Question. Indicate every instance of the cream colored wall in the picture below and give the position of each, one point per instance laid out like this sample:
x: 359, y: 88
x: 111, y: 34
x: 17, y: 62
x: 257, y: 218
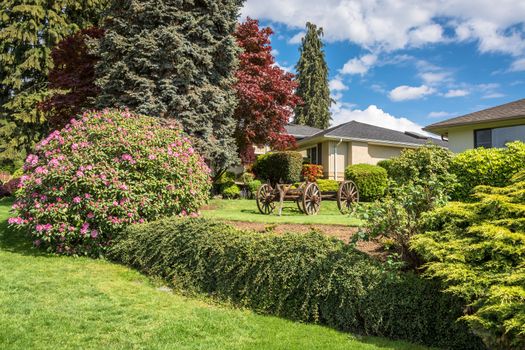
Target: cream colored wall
x: 461, y: 139
x: 349, y: 153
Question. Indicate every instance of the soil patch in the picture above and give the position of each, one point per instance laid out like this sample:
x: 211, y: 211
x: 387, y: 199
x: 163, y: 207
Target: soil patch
x: 341, y: 232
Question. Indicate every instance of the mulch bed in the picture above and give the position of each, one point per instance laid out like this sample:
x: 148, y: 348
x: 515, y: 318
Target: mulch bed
x: 341, y: 232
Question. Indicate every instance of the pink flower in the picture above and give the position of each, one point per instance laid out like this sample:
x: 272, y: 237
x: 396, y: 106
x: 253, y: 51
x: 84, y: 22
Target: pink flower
x: 84, y: 228
x: 77, y: 200
x: 94, y: 234
x: 74, y: 146
x: 32, y: 160
x: 152, y: 157
x: 54, y: 162
x: 15, y: 221
x: 87, y: 195
x: 90, y: 215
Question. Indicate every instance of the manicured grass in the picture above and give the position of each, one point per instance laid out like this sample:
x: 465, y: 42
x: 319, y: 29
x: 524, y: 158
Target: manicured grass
x: 52, y: 302
x: 246, y: 210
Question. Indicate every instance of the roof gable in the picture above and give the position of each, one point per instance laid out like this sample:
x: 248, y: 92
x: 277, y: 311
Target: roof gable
x: 361, y: 131
x: 506, y: 111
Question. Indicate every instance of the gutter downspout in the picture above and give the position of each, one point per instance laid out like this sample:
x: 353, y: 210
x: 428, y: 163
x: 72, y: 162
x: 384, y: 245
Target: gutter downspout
x: 335, y: 158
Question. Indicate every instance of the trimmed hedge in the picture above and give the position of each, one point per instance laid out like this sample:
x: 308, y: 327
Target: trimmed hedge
x: 279, y: 167
x: 231, y: 192
x: 490, y: 167
x: 326, y: 185
x: 371, y: 180
x: 306, y: 277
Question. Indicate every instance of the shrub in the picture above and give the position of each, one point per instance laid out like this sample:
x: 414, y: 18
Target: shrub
x: 478, y: 250
x: 231, y: 192
x: 10, y: 187
x: 311, y: 172
x: 371, y: 180
x: 491, y: 167
x: 306, y: 277
x: 253, y: 186
x: 102, y: 172
x: 246, y: 177
x: 279, y: 167
x: 328, y: 185
x: 420, y: 181
x: 227, y: 179
x: 385, y: 164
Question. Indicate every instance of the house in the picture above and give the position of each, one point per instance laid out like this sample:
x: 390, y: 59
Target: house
x: 354, y: 143
x: 492, y: 127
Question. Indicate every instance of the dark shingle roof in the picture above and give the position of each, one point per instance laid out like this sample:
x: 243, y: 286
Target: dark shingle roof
x: 362, y: 131
x: 301, y: 131
x: 510, y: 110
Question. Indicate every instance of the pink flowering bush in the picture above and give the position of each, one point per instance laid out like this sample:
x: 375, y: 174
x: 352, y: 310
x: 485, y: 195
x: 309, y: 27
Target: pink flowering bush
x: 108, y: 169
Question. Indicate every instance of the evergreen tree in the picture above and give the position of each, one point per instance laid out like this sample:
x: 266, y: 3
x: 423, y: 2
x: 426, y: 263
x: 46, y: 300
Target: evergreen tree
x: 312, y: 76
x: 29, y: 29
x: 175, y: 60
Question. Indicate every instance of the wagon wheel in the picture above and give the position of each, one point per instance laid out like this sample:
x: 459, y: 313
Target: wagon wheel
x: 265, y: 197
x: 311, y: 199
x: 347, y: 197
x: 299, y: 202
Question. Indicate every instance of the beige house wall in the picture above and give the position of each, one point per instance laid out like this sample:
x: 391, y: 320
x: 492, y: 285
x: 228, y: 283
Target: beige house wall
x: 348, y: 153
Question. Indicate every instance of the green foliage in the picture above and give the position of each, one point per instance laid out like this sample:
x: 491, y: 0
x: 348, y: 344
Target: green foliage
x: 103, y: 172
x: 306, y: 277
x: 491, y: 167
x: 29, y: 29
x: 371, y: 180
x: 478, y: 250
x: 253, y: 186
x: 279, y: 167
x: 246, y: 177
x: 176, y: 60
x: 312, y: 76
x: 231, y: 192
x: 326, y: 185
x: 385, y: 164
x: 420, y: 181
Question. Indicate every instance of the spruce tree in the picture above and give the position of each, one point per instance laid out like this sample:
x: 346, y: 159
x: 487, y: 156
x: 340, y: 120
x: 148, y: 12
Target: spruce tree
x: 29, y: 29
x: 175, y: 60
x: 312, y: 76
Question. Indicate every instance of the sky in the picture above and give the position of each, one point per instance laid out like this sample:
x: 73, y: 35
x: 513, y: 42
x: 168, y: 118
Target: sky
x: 405, y: 64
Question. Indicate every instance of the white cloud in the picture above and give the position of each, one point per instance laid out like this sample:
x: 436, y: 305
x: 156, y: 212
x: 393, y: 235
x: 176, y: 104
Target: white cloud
x: 432, y: 78
x: 493, y: 95
x: 440, y: 114
x: 432, y: 33
x: 359, y: 65
x: 393, y: 24
x: 342, y: 113
x: 274, y: 52
x: 518, y: 65
x: 456, y: 93
x: 405, y: 92
x: 297, y: 38
x: 287, y: 69
x: 337, y: 84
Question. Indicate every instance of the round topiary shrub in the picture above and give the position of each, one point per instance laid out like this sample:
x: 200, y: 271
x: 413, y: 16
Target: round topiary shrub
x: 107, y: 170
x: 371, y: 180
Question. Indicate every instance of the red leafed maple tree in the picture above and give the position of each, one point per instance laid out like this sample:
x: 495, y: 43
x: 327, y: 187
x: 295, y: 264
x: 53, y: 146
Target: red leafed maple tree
x: 74, y: 74
x: 265, y: 92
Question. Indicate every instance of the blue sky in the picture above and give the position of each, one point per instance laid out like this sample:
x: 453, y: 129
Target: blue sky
x: 404, y: 64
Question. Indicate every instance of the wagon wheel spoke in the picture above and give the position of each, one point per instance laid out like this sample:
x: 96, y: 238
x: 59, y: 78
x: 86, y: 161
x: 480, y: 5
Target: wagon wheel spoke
x: 265, y: 199
x: 311, y: 199
x: 347, y: 197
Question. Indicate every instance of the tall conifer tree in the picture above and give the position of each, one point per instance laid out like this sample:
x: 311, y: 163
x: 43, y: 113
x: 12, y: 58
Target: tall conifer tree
x: 29, y: 29
x: 312, y: 76
x: 175, y: 59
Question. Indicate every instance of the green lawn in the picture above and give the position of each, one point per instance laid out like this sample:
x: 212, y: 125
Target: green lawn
x: 246, y: 210
x: 51, y: 302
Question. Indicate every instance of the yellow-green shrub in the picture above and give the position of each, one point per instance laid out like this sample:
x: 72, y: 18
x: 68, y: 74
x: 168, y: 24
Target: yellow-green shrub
x: 491, y: 167
x: 478, y: 250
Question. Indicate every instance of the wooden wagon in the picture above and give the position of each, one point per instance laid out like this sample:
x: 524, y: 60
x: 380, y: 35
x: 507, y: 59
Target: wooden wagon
x: 307, y: 196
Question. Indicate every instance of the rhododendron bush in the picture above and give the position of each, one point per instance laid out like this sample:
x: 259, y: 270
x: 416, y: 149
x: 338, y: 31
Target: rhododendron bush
x: 102, y: 172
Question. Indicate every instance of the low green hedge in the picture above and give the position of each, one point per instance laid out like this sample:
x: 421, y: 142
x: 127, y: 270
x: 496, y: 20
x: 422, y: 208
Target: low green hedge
x: 279, y: 167
x: 306, y: 277
x: 371, y: 180
x: 326, y: 185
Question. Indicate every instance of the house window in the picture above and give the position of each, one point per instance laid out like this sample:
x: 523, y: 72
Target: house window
x: 483, y: 138
x: 498, y: 137
x: 311, y: 153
